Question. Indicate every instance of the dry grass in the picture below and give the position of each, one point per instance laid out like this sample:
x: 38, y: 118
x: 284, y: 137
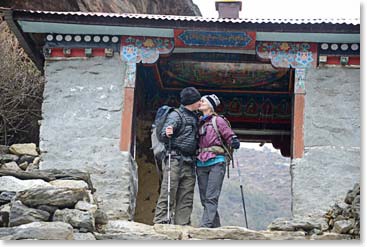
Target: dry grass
x: 21, y: 88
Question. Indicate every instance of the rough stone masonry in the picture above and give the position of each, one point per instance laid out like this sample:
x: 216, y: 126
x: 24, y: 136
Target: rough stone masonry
x: 80, y: 128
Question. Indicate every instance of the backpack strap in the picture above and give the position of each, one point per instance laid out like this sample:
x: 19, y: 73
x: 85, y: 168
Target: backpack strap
x: 215, y: 126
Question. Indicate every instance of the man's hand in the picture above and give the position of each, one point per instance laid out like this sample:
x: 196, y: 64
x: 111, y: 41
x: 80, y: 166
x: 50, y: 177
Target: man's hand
x: 235, y: 144
x: 169, y: 131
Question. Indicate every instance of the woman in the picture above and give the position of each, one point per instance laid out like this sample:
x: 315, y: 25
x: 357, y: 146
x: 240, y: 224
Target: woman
x: 211, y: 161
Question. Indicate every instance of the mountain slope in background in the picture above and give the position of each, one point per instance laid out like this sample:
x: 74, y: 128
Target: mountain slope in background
x: 266, y: 180
x: 163, y: 7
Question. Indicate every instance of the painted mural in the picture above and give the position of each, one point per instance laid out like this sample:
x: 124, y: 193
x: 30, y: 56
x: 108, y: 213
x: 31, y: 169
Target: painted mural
x: 238, y: 107
x: 222, y: 75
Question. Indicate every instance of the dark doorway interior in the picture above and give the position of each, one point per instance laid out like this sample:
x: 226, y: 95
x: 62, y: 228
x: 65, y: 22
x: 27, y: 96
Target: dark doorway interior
x: 256, y: 98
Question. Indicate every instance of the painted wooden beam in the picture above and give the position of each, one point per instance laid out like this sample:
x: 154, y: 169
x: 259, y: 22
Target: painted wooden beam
x: 51, y: 27
x: 25, y: 41
x: 308, y: 37
x: 62, y: 28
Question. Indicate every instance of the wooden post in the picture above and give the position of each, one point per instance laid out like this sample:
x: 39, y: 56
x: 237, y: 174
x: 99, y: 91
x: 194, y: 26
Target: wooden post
x: 298, y: 114
x: 126, y: 133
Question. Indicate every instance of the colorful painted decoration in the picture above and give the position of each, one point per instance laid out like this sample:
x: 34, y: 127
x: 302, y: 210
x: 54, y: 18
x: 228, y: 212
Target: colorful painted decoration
x: 130, y: 75
x: 144, y: 49
x: 209, y: 39
x: 129, y: 53
x: 235, y: 107
x: 288, y: 54
x: 239, y: 108
x: 299, y: 80
x: 251, y: 108
x: 222, y: 75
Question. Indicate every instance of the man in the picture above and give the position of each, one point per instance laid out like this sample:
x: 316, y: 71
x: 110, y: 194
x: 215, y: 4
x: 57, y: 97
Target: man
x: 180, y: 133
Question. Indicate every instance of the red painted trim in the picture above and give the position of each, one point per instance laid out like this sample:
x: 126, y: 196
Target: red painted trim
x: 77, y: 52
x: 335, y: 60
x: 245, y: 119
x: 98, y: 52
x: 297, y: 128
x: 354, y: 60
x: 57, y: 52
x: 127, y: 120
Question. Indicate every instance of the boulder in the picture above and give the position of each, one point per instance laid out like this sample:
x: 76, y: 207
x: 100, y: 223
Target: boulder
x: 24, y: 165
x: 127, y: 230
x: 86, y: 206
x: 76, y: 218
x: 52, y: 196
x: 11, y: 166
x: 6, y: 197
x: 331, y: 236
x: 83, y: 236
x: 343, y: 226
x: 8, y: 183
x: 43, y: 231
x: 50, y: 209
x: 20, y: 214
x: 24, y: 149
x: 8, y: 158
x: 71, y: 174
x: 294, y: 224
x: 284, y: 235
x: 100, y: 217
x: 47, y: 176
x: 225, y: 232
x: 26, y: 158
x: 352, y: 194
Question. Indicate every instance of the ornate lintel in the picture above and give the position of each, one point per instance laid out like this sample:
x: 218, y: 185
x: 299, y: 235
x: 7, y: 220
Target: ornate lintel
x: 299, y: 56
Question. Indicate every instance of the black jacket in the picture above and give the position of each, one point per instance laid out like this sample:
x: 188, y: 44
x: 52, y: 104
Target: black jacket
x: 184, y: 139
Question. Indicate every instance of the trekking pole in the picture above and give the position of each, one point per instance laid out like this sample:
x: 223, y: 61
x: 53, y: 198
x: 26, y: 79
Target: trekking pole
x: 241, y: 187
x: 169, y: 182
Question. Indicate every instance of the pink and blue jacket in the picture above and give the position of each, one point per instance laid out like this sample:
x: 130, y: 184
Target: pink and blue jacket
x: 208, y: 137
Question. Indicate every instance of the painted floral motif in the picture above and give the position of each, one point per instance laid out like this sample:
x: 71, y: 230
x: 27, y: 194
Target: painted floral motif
x: 149, y: 43
x: 129, y: 53
x: 145, y: 50
x: 284, y: 46
x: 288, y: 54
x: 304, y: 58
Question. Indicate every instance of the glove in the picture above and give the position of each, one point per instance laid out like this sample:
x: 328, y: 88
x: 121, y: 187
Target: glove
x: 235, y: 144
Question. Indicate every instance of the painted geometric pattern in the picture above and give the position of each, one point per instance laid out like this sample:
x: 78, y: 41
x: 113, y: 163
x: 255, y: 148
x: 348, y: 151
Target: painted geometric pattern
x: 288, y: 54
x: 144, y: 49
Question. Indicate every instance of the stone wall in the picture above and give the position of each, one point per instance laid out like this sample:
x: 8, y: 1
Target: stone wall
x: 81, y: 126
x: 332, y: 139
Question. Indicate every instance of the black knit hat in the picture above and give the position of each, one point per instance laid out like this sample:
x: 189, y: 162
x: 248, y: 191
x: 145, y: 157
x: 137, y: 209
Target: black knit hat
x: 189, y: 95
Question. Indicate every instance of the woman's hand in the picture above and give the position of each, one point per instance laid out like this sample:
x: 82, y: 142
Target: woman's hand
x: 235, y: 144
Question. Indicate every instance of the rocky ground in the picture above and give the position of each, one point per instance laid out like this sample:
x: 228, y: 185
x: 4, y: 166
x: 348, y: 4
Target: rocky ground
x: 61, y: 205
